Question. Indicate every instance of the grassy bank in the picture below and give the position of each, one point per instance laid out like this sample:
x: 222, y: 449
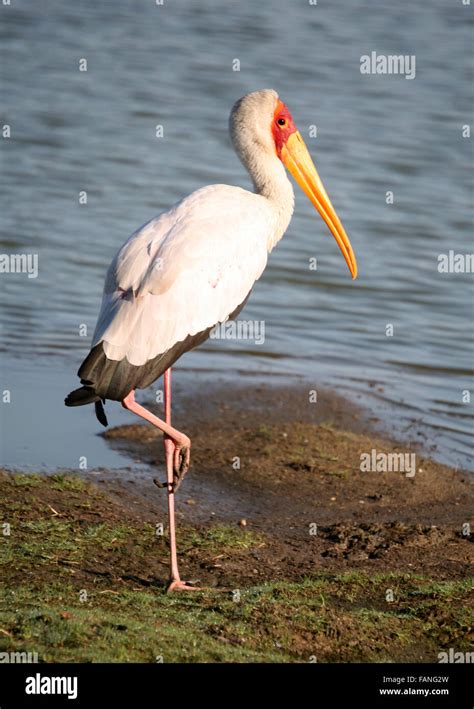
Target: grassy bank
x: 82, y: 580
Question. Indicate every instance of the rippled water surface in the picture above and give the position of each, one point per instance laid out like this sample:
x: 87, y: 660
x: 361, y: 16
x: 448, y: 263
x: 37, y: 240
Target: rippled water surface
x: 171, y: 65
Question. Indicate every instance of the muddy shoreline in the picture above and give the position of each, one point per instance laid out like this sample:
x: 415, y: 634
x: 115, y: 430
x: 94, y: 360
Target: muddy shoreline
x: 299, y: 553
x: 281, y: 464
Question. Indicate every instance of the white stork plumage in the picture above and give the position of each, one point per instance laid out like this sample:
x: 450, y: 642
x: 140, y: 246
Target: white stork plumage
x: 193, y: 267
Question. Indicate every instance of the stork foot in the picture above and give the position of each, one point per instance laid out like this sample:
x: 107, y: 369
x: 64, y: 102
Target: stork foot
x: 178, y: 585
x: 181, y: 461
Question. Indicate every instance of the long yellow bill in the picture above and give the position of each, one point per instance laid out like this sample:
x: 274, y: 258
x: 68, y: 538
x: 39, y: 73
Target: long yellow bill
x: 298, y: 162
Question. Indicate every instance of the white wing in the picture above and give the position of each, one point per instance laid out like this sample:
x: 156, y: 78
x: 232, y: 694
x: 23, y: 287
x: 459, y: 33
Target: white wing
x: 183, y: 272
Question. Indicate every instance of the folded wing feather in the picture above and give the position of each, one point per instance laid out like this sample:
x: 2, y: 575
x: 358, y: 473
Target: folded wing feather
x: 183, y: 272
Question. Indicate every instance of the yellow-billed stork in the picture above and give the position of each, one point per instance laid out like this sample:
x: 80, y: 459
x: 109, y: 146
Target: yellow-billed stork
x: 193, y: 267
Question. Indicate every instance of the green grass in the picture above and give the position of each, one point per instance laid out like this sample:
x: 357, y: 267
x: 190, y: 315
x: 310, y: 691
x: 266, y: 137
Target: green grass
x: 52, y: 539
x: 62, y: 481
x: 80, y: 585
x: 278, y: 622
x: 222, y: 537
x: 26, y: 480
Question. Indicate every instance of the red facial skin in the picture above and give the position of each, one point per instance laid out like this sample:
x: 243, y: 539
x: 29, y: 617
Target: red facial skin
x: 281, y: 133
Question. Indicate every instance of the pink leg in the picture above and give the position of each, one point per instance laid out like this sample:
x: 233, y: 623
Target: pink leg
x: 177, y: 450
x: 175, y: 583
x: 182, y: 444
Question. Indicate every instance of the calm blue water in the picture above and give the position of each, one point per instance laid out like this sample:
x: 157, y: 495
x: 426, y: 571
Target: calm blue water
x: 172, y: 65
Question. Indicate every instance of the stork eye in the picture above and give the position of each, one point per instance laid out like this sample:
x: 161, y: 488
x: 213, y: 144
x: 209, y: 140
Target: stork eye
x: 281, y: 122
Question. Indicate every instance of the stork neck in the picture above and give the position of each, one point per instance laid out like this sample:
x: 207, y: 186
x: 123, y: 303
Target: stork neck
x: 271, y: 182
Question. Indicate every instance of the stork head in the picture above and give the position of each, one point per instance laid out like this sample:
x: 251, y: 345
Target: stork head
x: 261, y: 124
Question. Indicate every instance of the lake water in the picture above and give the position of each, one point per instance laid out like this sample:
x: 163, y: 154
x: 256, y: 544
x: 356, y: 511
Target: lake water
x: 172, y: 65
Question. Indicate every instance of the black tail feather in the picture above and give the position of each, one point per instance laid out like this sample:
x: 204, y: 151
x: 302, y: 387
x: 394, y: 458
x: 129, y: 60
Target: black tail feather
x: 81, y: 397
x: 86, y: 395
x: 100, y: 413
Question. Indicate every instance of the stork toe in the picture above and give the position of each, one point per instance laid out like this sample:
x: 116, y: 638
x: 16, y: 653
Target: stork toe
x: 182, y: 459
